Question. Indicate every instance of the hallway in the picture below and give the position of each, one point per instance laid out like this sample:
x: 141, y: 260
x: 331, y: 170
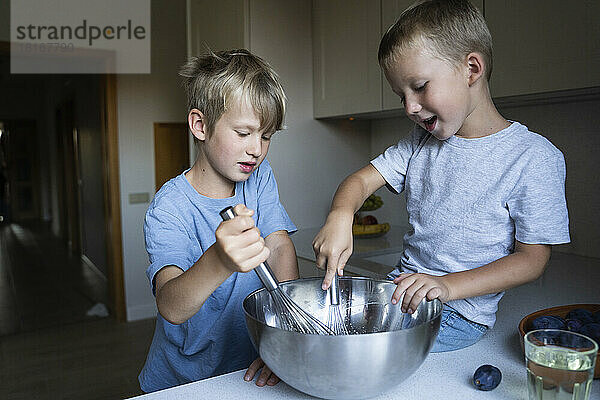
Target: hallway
x: 49, y: 347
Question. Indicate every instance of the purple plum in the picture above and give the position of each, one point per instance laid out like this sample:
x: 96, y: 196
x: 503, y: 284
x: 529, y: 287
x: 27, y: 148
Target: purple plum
x: 585, y: 316
x: 591, y: 330
x: 548, y: 322
x: 574, y: 325
x: 487, y: 377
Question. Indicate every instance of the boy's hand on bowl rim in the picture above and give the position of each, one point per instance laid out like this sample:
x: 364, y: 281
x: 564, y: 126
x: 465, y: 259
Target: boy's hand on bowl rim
x: 266, y: 377
x: 416, y: 287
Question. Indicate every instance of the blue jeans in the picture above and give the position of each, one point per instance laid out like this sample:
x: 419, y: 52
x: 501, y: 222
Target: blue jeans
x: 456, y: 332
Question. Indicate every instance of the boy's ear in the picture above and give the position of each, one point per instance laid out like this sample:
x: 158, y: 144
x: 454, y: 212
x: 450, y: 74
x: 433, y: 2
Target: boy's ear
x: 475, y: 66
x: 196, y: 124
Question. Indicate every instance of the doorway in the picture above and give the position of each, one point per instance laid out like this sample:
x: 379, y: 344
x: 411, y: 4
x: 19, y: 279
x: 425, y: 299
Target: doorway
x: 171, y: 151
x: 47, y: 185
x: 20, y: 170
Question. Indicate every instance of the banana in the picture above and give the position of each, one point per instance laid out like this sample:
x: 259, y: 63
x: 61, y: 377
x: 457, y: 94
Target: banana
x: 359, y: 230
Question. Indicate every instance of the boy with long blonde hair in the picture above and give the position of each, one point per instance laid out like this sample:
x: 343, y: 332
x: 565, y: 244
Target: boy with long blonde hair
x: 199, y: 264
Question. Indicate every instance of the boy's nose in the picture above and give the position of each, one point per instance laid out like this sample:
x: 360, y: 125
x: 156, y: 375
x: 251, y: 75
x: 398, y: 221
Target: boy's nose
x: 412, y: 107
x: 255, y: 146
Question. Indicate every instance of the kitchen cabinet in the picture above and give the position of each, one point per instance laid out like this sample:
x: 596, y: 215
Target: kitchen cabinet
x: 217, y: 25
x: 543, y: 46
x: 346, y: 76
x: 390, y: 11
x: 542, y: 49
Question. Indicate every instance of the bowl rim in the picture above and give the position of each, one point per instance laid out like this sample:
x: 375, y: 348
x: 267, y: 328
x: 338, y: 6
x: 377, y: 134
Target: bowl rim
x: 333, y: 337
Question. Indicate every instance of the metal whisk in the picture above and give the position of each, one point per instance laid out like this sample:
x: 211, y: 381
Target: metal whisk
x: 290, y: 315
x: 335, y: 320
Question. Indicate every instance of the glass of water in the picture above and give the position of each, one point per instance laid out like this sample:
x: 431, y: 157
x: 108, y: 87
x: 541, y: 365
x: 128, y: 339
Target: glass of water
x: 560, y: 364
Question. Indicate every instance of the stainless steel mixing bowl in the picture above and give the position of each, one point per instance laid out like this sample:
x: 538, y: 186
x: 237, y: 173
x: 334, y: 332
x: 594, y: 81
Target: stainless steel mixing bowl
x: 387, y: 345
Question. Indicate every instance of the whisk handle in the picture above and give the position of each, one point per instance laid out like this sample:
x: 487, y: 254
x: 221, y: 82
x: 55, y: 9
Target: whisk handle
x: 334, y: 291
x: 262, y: 270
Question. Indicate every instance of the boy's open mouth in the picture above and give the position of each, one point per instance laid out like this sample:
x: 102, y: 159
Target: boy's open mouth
x: 247, y: 166
x: 430, y: 123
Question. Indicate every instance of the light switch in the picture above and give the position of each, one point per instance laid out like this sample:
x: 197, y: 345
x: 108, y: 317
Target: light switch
x: 136, y: 198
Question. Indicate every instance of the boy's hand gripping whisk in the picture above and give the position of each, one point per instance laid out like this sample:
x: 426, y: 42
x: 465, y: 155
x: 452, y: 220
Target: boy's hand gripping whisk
x: 291, y: 316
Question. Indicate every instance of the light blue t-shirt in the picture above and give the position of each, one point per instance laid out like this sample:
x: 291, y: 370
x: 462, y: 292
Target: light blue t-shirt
x: 469, y: 199
x: 179, y: 227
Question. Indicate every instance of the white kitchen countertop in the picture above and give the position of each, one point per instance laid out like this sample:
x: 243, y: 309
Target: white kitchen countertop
x: 568, y: 279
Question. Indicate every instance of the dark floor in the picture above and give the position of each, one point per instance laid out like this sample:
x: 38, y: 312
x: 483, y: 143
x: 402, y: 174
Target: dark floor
x: 41, y: 284
x: 49, y: 347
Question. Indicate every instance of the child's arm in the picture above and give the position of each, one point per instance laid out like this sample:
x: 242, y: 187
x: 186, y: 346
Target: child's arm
x: 238, y: 248
x: 525, y: 264
x: 283, y: 256
x: 333, y: 243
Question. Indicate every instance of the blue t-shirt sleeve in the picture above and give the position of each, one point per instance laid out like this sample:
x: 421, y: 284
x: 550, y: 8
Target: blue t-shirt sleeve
x: 537, y: 204
x: 394, y: 161
x: 272, y: 216
x: 167, y: 242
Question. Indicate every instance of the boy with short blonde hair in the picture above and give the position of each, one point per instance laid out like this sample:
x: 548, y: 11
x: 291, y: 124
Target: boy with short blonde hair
x: 198, y: 263
x: 452, y: 30
x: 485, y: 196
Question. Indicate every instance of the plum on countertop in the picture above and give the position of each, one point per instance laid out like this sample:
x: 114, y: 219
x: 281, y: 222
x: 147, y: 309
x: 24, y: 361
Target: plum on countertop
x: 487, y: 377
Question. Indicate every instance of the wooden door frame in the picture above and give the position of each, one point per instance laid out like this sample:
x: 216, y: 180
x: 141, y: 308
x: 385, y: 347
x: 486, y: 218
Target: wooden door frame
x: 112, y: 192
x: 68, y: 171
x: 112, y: 196
x: 184, y: 130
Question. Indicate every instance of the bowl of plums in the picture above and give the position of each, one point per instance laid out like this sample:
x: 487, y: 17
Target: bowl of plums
x: 579, y: 318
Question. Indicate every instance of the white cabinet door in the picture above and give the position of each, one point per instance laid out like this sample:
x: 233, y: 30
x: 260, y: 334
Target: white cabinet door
x: 544, y: 45
x: 346, y: 74
x: 390, y: 11
x: 217, y: 25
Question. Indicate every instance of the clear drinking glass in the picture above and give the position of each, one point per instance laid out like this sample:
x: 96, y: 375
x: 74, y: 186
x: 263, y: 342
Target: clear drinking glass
x: 560, y: 364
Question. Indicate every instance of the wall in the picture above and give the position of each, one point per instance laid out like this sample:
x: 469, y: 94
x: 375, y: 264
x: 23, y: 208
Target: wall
x: 310, y: 158
x: 385, y: 133
x: 87, y: 117
x: 5, y: 20
x: 572, y: 127
x: 141, y: 101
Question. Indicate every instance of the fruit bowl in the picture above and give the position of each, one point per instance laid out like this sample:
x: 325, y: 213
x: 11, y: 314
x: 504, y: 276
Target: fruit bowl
x: 525, y: 325
x: 370, y: 231
x: 373, y: 202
